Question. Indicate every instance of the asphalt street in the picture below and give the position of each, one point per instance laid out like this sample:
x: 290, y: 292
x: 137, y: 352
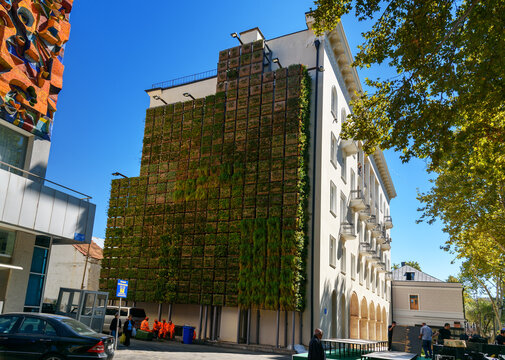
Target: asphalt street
x: 154, y: 350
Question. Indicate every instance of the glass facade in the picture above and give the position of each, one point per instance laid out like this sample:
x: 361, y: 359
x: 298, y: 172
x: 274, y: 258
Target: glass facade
x: 13, y: 147
x: 38, y: 271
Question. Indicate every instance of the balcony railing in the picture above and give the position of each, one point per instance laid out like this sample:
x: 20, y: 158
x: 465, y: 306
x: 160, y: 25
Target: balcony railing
x: 349, y: 146
x: 364, y: 214
x: 347, y: 231
x: 185, y: 79
x: 388, y: 222
x: 357, y: 200
x: 365, y: 249
x: 371, y: 222
x: 380, y: 266
x: 376, y: 231
x: 381, y: 238
x: 386, y: 246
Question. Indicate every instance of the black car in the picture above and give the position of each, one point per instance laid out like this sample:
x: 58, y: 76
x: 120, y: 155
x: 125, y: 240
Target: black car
x: 50, y: 337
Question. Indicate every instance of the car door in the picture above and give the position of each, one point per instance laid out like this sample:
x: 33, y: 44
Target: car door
x: 25, y: 342
x: 8, y: 324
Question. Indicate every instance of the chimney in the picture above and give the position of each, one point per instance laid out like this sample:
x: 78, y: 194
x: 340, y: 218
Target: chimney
x: 403, y: 263
x: 251, y: 35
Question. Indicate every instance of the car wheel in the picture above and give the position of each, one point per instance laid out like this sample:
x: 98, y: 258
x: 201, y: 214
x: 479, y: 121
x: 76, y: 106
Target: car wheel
x: 53, y: 357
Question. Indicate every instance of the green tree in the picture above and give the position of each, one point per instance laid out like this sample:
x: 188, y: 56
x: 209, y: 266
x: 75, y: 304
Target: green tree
x: 414, y: 264
x: 452, y: 279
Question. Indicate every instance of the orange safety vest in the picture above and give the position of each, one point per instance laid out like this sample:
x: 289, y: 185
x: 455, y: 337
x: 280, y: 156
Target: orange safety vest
x: 144, y: 326
x: 163, y: 330
x: 171, y: 329
x: 156, y: 326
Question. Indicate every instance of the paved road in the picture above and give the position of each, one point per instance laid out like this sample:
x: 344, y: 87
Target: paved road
x: 154, y: 350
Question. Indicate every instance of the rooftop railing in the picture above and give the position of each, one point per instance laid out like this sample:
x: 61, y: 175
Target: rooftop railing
x: 185, y: 79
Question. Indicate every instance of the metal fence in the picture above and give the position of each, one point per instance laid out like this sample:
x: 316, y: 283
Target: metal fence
x: 185, y: 79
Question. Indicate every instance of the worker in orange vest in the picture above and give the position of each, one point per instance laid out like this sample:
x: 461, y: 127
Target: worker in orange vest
x: 156, y: 328
x: 171, y: 329
x: 163, y: 329
x: 144, y: 326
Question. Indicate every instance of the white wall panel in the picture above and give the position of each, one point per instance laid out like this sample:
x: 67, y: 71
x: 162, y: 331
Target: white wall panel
x: 45, y: 209
x: 28, y: 210
x: 4, y: 184
x: 59, y: 210
x: 14, y: 199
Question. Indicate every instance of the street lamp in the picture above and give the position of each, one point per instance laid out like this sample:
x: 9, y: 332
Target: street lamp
x: 119, y: 174
x: 235, y: 35
x: 188, y: 95
x: 276, y: 61
x: 156, y: 97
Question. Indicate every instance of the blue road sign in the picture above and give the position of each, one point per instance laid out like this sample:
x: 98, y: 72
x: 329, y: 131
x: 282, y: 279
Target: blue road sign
x: 122, y: 288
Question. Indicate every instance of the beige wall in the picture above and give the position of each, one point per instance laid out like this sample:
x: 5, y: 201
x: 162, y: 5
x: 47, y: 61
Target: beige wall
x: 18, y: 279
x: 439, y: 302
x: 66, y: 268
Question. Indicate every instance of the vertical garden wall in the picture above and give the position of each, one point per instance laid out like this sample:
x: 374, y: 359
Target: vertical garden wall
x: 218, y: 214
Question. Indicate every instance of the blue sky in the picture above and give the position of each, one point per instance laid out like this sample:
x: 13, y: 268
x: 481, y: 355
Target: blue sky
x: 117, y: 49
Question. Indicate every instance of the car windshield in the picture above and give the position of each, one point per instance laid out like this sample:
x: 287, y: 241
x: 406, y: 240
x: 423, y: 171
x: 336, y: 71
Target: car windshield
x: 78, y: 327
x: 113, y: 312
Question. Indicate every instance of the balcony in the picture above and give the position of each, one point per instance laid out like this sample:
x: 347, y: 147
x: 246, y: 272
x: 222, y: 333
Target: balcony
x: 376, y: 231
x: 388, y: 222
x: 347, y: 231
x: 364, y: 214
x: 357, y: 200
x: 365, y: 249
x: 381, y: 238
x: 386, y: 246
x: 388, y: 275
x: 380, y: 266
x: 349, y: 146
x: 371, y: 222
x: 27, y: 204
x: 374, y: 258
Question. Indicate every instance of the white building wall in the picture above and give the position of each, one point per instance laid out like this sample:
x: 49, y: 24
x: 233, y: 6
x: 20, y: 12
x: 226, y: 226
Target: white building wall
x: 66, y: 269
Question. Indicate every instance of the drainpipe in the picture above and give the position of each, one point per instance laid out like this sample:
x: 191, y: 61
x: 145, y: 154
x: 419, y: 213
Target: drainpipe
x: 312, y: 231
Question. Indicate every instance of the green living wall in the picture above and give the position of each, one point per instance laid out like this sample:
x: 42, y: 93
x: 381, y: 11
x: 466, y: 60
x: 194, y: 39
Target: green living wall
x: 218, y: 213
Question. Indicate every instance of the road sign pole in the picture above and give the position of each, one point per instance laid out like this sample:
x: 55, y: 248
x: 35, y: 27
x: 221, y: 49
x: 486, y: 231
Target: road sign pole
x: 117, y: 324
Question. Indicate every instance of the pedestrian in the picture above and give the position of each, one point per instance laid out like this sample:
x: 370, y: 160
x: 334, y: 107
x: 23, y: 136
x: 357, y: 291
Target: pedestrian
x: 426, y: 335
x: 390, y: 334
x: 156, y: 328
x: 170, y: 328
x: 163, y: 330
x: 464, y: 336
x: 114, y: 325
x: 500, y: 338
x: 127, y: 329
x: 316, y: 351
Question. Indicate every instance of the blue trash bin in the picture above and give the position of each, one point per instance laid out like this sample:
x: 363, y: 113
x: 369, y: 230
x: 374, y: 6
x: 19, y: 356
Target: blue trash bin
x: 187, y: 334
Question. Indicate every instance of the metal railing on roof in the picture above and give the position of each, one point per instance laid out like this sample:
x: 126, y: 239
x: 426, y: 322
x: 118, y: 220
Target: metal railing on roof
x: 185, y: 79
x: 16, y: 170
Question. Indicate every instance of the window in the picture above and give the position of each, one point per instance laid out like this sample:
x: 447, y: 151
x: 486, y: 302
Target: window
x: 333, y: 251
x: 414, y: 302
x: 343, y: 115
x: 7, y: 239
x: 342, y: 161
x: 12, y: 148
x: 37, y: 277
x: 353, y: 266
x: 334, y: 103
x: 333, y: 155
x: 333, y: 198
x: 7, y: 323
x: 343, y: 258
x: 410, y: 276
x: 353, y: 180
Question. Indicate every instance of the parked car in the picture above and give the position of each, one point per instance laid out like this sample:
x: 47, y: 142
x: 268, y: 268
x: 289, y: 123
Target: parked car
x: 138, y: 314
x: 50, y: 337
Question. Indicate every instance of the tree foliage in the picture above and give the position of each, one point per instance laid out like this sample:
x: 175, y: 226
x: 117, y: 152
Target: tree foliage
x: 414, y: 264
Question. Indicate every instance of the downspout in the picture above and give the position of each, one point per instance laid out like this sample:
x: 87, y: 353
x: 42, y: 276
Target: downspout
x: 312, y: 231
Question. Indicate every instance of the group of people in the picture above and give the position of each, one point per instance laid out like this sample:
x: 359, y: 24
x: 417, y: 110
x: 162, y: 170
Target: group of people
x: 161, y: 330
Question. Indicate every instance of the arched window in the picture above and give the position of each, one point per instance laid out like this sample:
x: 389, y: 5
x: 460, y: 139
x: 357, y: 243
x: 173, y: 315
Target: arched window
x: 334, y: 103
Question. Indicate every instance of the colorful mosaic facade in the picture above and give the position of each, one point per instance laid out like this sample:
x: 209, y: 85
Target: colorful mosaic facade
x: 32, y: 38
x: 218, y: 214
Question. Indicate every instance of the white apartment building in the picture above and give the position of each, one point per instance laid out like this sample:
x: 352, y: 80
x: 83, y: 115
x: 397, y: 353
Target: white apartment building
x: 348, y: 273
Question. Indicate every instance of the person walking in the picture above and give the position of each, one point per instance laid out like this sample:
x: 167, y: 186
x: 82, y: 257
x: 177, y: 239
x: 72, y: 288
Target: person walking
x: 316, y: 351
x: 127, y: 329
x: 426, y: 335
x: 114, y: 326
x: 390, y: 334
